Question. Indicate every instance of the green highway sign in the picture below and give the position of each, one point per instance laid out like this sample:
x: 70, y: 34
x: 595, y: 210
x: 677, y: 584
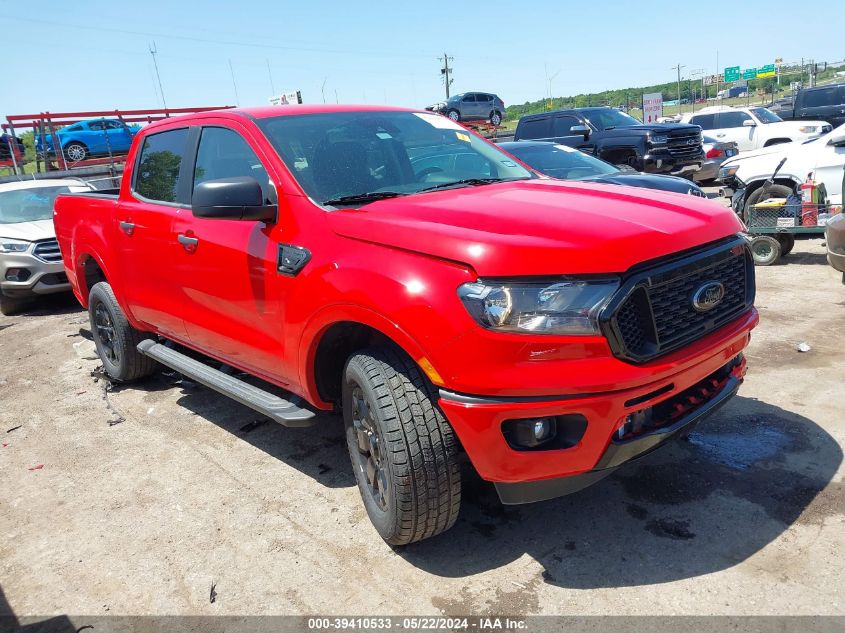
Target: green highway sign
x: 766, y: 71
x: 749, y: 73
x: 731, y: 74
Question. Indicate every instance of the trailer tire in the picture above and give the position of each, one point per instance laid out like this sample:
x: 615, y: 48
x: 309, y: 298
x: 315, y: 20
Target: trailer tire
x: 405, y: 455
x: 765, y: 250
x: 116, y: 340
x: 787, y: 243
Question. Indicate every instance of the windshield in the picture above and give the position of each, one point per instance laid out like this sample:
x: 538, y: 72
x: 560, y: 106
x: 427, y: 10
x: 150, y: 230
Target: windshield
x: 28, y: 205
x: 765, y: 115
x: 346, y: 154
x: 609, y: 119
x: 559, y: 161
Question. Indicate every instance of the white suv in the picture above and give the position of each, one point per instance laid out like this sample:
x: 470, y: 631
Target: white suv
x: 754, y: 127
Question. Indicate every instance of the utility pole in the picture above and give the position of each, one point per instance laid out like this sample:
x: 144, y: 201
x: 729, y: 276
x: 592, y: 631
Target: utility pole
x: 270, y: 74
x: 445, y: 71
x: 698, y: 72
x: 232, y: 72
x: 678, y: 68
x: 153, y: 51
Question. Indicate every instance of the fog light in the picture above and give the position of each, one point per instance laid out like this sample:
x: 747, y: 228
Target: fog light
x: 17, y: 274
x: 541, y: 429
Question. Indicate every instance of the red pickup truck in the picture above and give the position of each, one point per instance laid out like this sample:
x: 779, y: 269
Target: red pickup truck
x: 389, y: 264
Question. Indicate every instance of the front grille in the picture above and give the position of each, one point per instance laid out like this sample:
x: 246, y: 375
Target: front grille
x: 653, y: 313
x: 684, y: 145
x: 48, y: 251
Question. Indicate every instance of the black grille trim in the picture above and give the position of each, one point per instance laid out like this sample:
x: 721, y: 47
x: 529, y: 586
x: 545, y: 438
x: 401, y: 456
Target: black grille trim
x: 48, y: 251
x: 651, y: 313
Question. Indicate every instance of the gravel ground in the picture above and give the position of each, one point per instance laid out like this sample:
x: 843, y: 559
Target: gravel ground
x: 150, y: 499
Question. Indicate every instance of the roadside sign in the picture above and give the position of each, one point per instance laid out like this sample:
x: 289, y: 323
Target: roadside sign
x: 652, y: 107
x: 766, y: 71
x: 749, y: 73
x: 288, y: 98
x: 731, y: 73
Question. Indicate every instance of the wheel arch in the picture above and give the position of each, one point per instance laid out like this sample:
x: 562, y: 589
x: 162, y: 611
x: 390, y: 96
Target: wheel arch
x: 335, y: 334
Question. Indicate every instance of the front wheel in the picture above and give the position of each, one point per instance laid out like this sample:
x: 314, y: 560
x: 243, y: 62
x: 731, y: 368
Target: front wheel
x: 76, y: 152
x: 404, y: 453
x: 115, y: 339
x: 454, y: 115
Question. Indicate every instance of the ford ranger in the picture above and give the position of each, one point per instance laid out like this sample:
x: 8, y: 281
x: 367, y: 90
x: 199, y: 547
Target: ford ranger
x: 452, y: 304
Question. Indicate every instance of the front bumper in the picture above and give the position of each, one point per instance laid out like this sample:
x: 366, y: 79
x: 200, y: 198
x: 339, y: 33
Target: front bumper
x: 664, y: 163
x: 42, y: 278
x: 478, y: 420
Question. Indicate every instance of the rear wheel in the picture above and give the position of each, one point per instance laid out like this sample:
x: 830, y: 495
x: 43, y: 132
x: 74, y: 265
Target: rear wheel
x: 787, y: 242
x: 116, y: 340
x: 404, y: 453
x: 496, y: 117
x: 765, y: 250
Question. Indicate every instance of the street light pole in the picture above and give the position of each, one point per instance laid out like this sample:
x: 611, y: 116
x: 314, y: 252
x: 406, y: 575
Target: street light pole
x: 678, y: 68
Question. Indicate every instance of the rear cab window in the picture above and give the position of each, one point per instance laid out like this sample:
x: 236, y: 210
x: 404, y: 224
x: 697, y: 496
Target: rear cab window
x: 157, y: 172
x: 705, y: 121
x: 535, y: 128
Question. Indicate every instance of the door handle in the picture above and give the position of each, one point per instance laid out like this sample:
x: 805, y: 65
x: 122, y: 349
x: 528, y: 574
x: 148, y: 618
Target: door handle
x: 127, y: 227
x: 189, y: 243
x: 720, y: 136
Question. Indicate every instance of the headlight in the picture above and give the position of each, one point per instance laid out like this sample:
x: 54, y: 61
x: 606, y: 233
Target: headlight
x: 808, y: 129
x: 727, y: 172
x: 658, y: 139
x: 8, y: 245
x: 564, y: 307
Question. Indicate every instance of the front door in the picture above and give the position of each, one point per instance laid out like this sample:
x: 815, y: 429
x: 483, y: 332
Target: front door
x: 730, y: 128
x: 144, y: 233
x: 227, y: 269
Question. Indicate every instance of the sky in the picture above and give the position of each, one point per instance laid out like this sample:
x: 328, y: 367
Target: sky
x: 89, y: 55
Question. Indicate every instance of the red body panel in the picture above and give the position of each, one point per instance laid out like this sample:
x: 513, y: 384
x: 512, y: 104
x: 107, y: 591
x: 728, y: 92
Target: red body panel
x: 395, y: 266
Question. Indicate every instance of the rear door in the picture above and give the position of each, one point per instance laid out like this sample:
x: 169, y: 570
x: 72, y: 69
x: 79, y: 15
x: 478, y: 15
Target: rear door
x: 144, y: 244
x: 534, y: 129
x: 819, y: 103
x: 227, y: 269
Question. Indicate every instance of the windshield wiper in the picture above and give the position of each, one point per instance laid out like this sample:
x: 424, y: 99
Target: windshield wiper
x: 473, y: 182
x: 370, y: 196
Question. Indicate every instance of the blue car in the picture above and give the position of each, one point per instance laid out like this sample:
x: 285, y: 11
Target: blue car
x: 95, y: 137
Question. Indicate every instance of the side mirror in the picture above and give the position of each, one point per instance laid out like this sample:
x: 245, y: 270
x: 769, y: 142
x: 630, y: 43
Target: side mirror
x: 231, y: 199
x: 749, y: 123
x: 582, y: 130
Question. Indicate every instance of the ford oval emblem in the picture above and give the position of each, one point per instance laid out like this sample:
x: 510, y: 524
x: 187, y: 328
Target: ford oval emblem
x: 708, y: 296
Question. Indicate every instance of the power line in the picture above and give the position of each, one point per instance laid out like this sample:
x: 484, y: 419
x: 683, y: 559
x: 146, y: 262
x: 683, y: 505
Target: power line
x: 232, y: 71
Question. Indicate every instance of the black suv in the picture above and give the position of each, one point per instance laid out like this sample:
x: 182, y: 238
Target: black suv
x: 825, y: 103
x: 619, y: 138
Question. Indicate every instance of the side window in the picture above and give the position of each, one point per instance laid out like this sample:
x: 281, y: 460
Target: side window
x: 97, y: 126
x: 157, y: 176
x: 75, y: 128
x: 470, y: 98
x: 706, y: 121
x: 562, y: 124
x: 731, y: 119
x: 223, y: 153
x: 817, y: 98
x: 113, y: 125
x: 535, y: 128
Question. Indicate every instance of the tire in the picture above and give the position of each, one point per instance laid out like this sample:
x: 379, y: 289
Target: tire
x: 75, y: 151
x: 10, y: 306
x: 765, y: 250
x: 454, y: 115
x: 763, y: 193
x: 404, y: 454
x: 116, y: 340
x: 496, y: 117
x: 787, y: 242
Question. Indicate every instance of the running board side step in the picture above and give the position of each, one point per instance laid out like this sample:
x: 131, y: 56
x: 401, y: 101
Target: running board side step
x: 277, y: 409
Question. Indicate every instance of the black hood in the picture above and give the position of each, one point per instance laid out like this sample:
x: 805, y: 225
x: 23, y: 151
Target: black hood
x: 671, y: 129
x: 647, y: 181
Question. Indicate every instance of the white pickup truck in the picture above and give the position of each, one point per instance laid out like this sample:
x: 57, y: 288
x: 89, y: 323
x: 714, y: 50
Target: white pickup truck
x: 743, y: 175
x: 754, y: 127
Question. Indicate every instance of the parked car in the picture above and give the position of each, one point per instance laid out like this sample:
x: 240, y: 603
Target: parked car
x: 498, y: 315
x: 560, y: 161
x: 715, y: 153
x: 743, y: 176
x: 752, y: 128
x: 618, y: 138
x: 835, y: 239
x: 822, y: 102
x: 472, y: 106
x: 95, y: 137
x: 30, y: 261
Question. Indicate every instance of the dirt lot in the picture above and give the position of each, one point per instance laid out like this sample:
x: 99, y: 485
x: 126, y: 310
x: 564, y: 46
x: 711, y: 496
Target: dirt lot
x: 151, y: 494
